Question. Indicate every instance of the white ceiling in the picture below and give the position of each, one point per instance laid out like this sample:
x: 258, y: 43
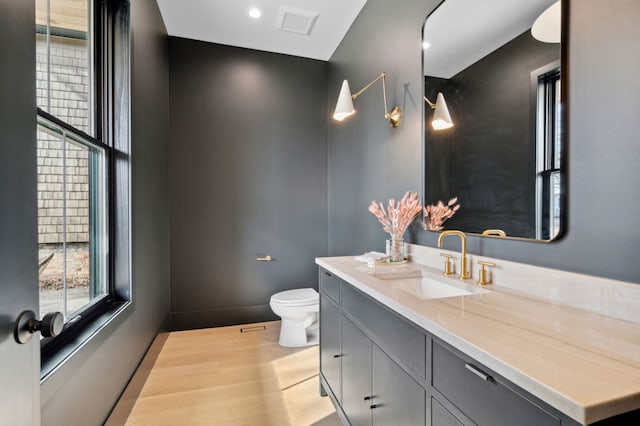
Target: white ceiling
x: 461, y: 32
x: 228, y: 22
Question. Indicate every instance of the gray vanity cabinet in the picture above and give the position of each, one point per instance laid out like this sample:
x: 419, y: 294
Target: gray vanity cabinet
x: 379, y: 368
x: 368, y: 365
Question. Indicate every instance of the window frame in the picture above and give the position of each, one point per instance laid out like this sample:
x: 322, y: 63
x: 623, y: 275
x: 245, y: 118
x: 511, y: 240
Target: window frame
x: 111, y: 126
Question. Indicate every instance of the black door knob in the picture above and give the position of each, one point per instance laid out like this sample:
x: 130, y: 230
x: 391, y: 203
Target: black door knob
x: 27, y: 324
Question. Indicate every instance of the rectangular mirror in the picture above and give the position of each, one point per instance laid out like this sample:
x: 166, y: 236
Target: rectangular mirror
x: 503, y: 157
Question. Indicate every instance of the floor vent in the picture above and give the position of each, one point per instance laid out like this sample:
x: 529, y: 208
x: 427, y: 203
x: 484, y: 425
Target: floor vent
x: 252, y: 329
x: 296, y: 21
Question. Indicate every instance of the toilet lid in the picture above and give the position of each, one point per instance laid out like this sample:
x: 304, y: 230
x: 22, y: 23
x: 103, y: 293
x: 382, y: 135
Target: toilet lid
x: 297, y: 297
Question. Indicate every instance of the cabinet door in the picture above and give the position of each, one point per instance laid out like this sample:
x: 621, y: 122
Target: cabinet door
x: 330, y: 346
x: 440, y: 416
x: 398, y: 399
x: 356, y: 374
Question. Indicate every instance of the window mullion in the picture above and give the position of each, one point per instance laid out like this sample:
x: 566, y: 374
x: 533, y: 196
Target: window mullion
x: 48, y: 42
x: 64, y: 226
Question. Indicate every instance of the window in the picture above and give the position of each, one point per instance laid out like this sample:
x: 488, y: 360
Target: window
x: 549, y: 147
x: 71, y: 219
x: 83, y: 164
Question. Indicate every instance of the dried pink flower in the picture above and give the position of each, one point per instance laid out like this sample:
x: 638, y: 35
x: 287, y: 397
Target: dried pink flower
x: 398, y: 216
x: 436, y: 215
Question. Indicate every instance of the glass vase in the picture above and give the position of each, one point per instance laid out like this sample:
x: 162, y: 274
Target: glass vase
x: 395, y: 248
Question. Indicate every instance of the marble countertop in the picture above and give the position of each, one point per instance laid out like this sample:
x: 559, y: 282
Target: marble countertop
x: 584, y: 364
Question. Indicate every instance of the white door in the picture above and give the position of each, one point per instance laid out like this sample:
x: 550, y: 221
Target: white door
x: 19, y: 364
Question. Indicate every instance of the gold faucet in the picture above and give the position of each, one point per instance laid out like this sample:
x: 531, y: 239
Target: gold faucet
x: 494, y: 233
x: 464, y: 270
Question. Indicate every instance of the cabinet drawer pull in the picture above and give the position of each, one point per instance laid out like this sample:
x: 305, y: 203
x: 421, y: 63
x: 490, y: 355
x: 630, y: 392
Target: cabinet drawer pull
x: 327, y: 274
x: 477, y: 372
x: 337, y: 355
x: 367, y: 398
x: 374, y: 406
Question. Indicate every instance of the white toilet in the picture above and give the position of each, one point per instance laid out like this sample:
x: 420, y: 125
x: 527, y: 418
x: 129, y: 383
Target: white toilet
x: 298, y: 310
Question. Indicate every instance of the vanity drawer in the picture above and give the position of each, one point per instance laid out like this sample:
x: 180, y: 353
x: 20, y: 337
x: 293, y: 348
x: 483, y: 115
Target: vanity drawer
x: 329, y: 285
x: 394, y: 335
x: 482, y: 397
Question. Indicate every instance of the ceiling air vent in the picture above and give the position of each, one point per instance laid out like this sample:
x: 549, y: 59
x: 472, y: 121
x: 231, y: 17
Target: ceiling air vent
x: 296, y: 21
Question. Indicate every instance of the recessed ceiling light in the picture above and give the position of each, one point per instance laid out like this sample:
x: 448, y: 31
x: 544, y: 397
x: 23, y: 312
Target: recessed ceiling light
x: 426, y: 45
x: 255, y: 13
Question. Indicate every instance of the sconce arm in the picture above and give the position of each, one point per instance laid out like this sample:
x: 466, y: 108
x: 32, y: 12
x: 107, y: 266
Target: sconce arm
x: 384, y: 91
x: 361, y: 91
x: 396, y: 113
x: 431, y: 104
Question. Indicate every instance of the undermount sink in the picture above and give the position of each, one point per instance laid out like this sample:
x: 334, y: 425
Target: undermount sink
x: 424, y: 285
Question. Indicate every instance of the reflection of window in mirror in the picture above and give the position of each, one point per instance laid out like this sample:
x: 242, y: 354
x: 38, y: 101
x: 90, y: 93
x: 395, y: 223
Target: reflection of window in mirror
x: 548, y: 145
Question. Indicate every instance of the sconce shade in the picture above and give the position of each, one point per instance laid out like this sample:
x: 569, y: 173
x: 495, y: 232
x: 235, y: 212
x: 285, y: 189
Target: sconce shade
x: 546, y: 27
x: 441, y: 117
x: 344, y: 107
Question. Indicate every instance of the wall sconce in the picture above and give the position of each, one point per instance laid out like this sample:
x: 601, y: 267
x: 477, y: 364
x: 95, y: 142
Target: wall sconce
x: 441, y: 117
x: 344, y: 106
x: 546, y: 27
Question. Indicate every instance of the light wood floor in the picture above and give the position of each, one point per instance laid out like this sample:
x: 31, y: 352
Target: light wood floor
x: 235, y: 375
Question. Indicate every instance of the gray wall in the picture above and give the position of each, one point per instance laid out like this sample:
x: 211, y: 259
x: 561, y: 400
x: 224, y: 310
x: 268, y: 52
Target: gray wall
x: 368, y: 161
x: 84, y: 390
x: 247, y: 179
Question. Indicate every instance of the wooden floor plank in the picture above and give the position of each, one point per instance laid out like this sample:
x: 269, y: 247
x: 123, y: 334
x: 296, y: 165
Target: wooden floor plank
x: 223, y: 376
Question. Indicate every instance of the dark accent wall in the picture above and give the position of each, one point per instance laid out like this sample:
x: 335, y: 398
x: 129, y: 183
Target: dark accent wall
x: 368, y: 161
x: 84, y: 390
x: 247, y: 179
x: 488, y: 159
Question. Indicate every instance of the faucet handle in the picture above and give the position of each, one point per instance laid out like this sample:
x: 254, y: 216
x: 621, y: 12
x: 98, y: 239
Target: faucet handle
x: 448, y: 266
x: 485, y: 277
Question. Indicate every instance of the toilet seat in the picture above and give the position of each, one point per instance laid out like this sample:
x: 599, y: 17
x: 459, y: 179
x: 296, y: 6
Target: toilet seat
x: 296, y: 297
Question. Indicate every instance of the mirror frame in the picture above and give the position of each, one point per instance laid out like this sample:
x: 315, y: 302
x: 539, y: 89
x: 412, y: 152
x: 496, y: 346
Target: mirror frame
x: 564, y: 101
